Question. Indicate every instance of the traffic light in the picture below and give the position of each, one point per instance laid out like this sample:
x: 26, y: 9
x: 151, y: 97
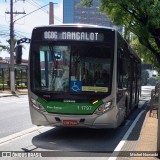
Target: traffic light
x: 18, y: 54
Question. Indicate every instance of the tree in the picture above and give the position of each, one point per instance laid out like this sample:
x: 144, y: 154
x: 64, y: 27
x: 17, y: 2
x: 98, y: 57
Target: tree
x: 144, y: 77
x: 3, y: 47
x: 145, y: 54
x: 141, y: 17
x: 7, y: 47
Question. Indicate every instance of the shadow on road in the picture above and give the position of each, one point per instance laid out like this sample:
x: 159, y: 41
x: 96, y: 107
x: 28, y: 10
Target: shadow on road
x: 76, y: 139
x: 87, y: 140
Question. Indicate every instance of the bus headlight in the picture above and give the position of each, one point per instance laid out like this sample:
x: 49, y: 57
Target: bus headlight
x: 37, y: 105
x: 104, y: 108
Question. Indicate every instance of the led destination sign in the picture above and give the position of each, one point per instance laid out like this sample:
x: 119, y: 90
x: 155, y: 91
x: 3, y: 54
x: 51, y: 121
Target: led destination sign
x: 76, y: 36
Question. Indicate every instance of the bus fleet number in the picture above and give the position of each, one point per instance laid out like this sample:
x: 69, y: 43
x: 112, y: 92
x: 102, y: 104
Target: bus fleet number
x: 84, y: 108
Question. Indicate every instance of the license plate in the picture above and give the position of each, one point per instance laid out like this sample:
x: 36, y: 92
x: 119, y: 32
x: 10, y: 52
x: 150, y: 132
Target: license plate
x: 70, y: 122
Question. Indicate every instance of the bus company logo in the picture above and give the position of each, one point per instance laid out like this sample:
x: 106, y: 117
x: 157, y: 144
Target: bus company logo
x: 57, y: 108
x: 6, y: 154
x: 54, y: 107
x: 20, y: 154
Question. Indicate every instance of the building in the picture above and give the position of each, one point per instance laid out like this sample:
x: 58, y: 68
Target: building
x: 73, y: 13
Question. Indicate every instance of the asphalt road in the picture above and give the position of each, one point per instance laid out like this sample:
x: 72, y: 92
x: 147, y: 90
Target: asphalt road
x: 70, y: 142
x: 62, y: 143
x: 14, y: 115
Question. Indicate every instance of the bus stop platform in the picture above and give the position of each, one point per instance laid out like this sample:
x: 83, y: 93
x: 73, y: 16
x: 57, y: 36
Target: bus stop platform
x: 147, y: 141
x: 143, y: 138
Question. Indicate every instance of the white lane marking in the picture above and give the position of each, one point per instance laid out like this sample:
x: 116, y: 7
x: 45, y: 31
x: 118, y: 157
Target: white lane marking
x: 19, y: 134
x: 122, y: 142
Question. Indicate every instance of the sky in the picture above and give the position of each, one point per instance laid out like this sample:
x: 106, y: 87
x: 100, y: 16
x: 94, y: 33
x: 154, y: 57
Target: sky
x: 24, y: 26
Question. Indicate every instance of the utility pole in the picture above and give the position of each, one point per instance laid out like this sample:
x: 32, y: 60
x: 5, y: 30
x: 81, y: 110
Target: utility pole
x: 12, y: 70
x: 158, y: 132
x: 51, y: 13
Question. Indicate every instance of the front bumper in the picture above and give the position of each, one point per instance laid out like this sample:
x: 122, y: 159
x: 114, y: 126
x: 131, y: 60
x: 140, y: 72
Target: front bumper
x: 106, y: 120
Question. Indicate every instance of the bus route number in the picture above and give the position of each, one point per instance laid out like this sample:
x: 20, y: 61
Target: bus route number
x: 85, y: 108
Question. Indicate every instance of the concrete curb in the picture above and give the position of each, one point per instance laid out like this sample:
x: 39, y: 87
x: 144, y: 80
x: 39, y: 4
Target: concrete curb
x: 9, y: 95
x: 19, y: 134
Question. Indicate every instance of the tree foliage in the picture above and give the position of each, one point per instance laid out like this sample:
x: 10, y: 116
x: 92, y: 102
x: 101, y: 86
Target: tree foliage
x: 7, y: 47
x: 141, y: 17
x: 145, y: 54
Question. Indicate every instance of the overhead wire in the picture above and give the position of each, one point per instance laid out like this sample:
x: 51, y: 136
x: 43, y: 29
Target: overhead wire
x: 21, y: 35
x: 35, y: 4
x: 4, y: 29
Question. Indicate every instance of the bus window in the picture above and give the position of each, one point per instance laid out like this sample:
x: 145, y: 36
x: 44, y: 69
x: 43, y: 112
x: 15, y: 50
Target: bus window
x: 76, y: 68
x: 54, y: 66
x: 91, y: 67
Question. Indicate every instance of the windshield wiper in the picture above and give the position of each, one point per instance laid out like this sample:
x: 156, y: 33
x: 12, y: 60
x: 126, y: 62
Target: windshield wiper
x: 53, y: 67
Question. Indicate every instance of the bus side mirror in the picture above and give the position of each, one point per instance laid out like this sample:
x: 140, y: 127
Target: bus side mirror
x: 18, y: 54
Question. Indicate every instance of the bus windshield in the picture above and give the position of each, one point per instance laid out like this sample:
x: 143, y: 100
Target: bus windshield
x: 72, y: 68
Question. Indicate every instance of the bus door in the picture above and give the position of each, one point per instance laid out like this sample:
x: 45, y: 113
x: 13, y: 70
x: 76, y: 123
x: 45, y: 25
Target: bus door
x: 133, y: 84
x: 122, y: 79
x: 137, y: 79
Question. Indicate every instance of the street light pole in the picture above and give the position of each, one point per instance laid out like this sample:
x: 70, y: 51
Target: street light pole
x: 12, y: 71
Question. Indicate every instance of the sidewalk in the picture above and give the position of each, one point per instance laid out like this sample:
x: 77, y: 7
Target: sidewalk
x: 147, y: 140
x: 148, y: 137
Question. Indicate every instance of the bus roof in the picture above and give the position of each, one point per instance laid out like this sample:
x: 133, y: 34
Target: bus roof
x: 77, y: 25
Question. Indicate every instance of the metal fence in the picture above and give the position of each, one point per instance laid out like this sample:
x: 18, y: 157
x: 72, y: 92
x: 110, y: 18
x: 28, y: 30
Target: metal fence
x: 20, y: 77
